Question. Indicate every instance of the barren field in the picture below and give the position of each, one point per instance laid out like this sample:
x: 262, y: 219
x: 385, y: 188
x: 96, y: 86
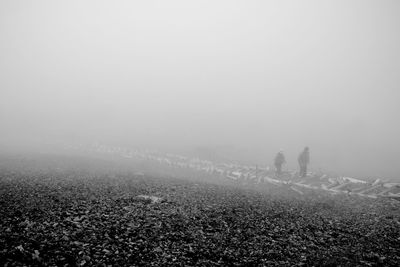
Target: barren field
x: 92, y: 214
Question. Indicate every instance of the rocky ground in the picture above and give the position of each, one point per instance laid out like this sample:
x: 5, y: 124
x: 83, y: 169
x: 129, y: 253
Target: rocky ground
x: 80, y: 217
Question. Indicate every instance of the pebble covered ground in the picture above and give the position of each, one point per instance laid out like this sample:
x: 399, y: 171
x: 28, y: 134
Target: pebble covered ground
x: 78, y: 217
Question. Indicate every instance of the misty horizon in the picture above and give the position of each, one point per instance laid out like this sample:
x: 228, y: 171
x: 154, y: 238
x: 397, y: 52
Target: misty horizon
x: 242, y: 79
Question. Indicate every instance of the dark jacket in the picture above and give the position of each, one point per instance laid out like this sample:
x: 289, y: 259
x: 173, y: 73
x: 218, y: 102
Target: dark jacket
x: 279, y: 159
x: 304, y: 157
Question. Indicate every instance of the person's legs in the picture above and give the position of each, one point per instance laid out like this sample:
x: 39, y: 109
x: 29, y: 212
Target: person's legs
x: 303, y: 171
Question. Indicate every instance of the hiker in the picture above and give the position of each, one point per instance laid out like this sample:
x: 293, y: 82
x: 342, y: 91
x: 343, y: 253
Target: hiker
x: 279, y: 161
x: 304, y: 159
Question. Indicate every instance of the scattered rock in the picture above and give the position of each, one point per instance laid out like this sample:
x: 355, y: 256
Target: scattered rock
x: 149, y: 199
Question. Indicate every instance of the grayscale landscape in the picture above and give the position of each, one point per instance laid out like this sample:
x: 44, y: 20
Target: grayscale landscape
x: 199, y: 133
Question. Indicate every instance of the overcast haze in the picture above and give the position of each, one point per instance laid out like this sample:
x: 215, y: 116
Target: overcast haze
x: 255, y: 76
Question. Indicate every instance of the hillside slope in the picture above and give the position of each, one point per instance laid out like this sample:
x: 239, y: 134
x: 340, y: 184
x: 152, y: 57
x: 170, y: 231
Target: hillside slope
x: 83, y: 217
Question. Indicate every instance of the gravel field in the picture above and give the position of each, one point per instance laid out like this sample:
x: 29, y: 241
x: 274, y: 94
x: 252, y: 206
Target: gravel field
x: 79, y: 215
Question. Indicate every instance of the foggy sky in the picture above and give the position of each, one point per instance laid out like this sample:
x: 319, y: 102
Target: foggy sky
x: 255, y: 75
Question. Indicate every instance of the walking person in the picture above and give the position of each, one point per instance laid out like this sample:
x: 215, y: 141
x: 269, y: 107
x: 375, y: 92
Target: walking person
x: 304, y: 159
x: 278, y: 162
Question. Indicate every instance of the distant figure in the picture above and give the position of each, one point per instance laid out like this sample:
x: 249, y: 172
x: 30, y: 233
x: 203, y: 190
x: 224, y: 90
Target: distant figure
x: 279, y: 161
x: 304, y: 159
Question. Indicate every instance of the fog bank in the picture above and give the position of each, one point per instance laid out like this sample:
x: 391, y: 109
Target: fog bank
x: 239, y: 78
